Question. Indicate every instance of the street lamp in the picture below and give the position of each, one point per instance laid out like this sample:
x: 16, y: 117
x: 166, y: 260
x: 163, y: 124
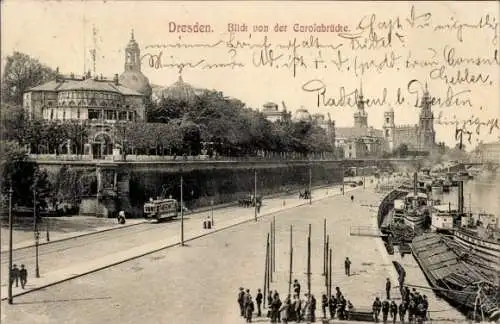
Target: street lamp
x: 36, y: 233
x: 212, y: 211
x: 10, y: 246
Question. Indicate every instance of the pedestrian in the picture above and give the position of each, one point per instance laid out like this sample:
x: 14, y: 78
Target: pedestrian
x: 388, y: 288
x: 249, y: 307
x: 324, y: 304
x: 285, y: 310
x: 350, y: 307
x: 23, y: 275
x: 341, y: 307
x: 313, y: 308
x: 298, y: 309
x: 394, y: 311
x: 241, y: 299
x: 352, y: 198
x: 411, y: 309
x: 402, y: 312
x: 425, y: 303
x: 377, y: 305
x: 14, y: 276
x: 347, y: 266
x: 296, y: 287
x: 385, y: 310
x: 338, y: 294
x: 258, y: 299
x: 333, y: 306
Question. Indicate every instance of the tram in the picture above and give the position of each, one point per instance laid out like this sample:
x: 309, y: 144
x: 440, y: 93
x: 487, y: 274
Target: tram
x: 161, y: 209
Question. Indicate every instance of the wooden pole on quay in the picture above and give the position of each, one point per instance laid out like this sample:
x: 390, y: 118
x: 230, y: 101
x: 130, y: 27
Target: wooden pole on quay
x: 325, y: 249
x: 270, y: 265
x: 265, y: 272
x: 330, y: 274
x: 327, y: 274
x: 309, y: 265
x: 291, y: 262
x: 274, y: 243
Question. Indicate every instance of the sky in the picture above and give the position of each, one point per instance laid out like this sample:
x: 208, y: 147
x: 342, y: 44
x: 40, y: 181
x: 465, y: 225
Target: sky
x: 60, y: 34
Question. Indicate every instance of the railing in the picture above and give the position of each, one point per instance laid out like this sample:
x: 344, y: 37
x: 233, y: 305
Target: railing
x: 179, y: 158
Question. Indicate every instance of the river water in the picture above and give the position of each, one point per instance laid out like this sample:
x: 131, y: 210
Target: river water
x: 482, y: 194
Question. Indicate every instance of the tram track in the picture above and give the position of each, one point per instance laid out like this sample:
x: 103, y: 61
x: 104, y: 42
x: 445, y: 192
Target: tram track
x: 25, y: 255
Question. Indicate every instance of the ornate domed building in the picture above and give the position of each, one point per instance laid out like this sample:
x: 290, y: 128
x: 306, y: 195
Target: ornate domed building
x: 302, y: 115
x: 179, y: 91
x: 132, y: 77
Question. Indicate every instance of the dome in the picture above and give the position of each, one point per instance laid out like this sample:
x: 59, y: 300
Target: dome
x: 390, y: 110
x: 302, y: 115
x: 180, y: 90
x: 137, y: 81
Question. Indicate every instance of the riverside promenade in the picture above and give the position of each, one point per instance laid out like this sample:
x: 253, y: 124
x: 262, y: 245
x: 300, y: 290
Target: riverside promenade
x: 65, y: 267
x: 198, y: 283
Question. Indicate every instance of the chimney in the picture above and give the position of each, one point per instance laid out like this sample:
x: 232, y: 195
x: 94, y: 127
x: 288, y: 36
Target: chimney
x: 415, y: 179
x: 115, y: 79
x: 460, y: 197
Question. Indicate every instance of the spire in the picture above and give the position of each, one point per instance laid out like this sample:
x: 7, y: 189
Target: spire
x: 132, y: 34
x: 361, y: 88
x: 180, y: 78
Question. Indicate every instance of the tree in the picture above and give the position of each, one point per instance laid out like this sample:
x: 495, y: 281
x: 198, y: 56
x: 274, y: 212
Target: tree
x: 22, y: 72
x: 401, y: 150
x: 20, y: 172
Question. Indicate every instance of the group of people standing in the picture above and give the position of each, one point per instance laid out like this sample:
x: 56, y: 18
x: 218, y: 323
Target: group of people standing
x: 293, y: 308
x: 413, y: 303
x: 18, y: 275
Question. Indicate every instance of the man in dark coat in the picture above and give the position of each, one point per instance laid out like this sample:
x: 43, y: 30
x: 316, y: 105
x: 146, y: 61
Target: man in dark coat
x: 385, y: 310
x: 377, y: 305
x: 388, y: 288
x: 313, y: 308
x: 249, y: 307
x: 394, y: 311
x: 14, y: 276
x: 324, y: 304
x: 258, y: 299
x: 23, y: 275
x: 347, y: 266
x: 296, y: 287
x: 241, y: 301
x: 333, y: 306
x: 402, y: 312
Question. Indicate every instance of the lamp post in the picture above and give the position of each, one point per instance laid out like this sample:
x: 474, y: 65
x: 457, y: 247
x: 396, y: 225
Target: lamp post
x: 10, y: 246
x: 212, y: 211
x: 36, y: 233
x: 255, y: 194
x: 182, y: 215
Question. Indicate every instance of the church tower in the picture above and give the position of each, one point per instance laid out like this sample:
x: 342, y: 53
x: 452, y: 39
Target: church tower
x: 132, y: 55
x: 388, y: 128
x: 132, y: 77
x: 361, y: 117
x: 426, y: 133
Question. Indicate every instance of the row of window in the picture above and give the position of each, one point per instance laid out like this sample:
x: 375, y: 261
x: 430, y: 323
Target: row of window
x: 87, y: 95
x: 95, y: 114
x: 92, y: 102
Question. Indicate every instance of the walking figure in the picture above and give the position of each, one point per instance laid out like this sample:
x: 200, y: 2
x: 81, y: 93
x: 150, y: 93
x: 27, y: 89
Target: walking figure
x: 347, y: 266
x: 388, y: 288
x: 352, y: 198
x: 23, y: 275
x: 249, y: 308
x: 258, y: 299
x: 241, y: 297
x: 377, y: 305
x: 14, y: 275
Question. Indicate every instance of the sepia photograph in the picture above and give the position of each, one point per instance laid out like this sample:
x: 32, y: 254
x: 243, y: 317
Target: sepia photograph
x: 224, y: 162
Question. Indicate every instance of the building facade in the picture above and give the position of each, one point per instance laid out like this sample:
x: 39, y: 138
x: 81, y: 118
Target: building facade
x: 420, y: 137
x: 271, y: 112
x: 489, y: 152
x: 99, y: 102
x: 361, y: 140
